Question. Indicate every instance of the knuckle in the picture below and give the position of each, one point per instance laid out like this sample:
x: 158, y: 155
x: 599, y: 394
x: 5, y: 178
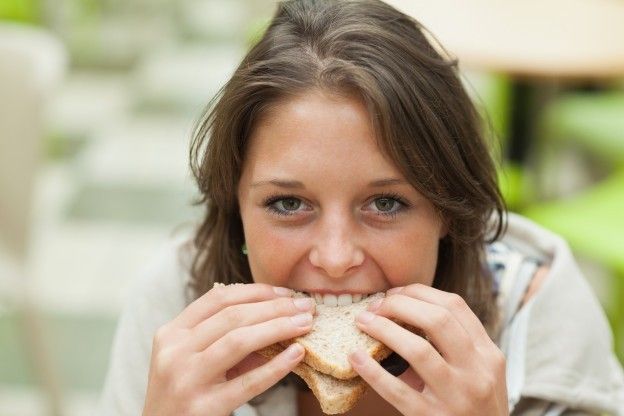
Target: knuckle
x: 482, y: 390
x: 252, y: 385
x: 179, y: 388
x: 442, y: 319
x: 216, y: 298
x: 233, y: 315
x: 419, y: 352
x: 376, y: 377
x: 165, y: 362
x: 455, y: 302
x: 218, y: 292
x: 500, y: 361
x: 162, y: 336
x: 401, y: 393
x: 283, y: 306
x: 235, y: 339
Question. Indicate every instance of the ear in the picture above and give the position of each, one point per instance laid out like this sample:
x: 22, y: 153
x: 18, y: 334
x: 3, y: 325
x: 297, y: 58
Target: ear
x: 444, y: 225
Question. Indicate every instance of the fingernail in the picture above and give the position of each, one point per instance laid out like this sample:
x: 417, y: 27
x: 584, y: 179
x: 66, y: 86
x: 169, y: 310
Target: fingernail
x: 375, y: 305
x: 394, y: 290
x: 303, y: 319
x: 294, y: 351
x: 365, y: 317
x: 304, y: 304
x: 282, y: 291
x: 358, y: 357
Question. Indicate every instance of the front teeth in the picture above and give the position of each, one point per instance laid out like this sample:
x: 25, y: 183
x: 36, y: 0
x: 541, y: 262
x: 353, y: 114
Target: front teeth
x: 341, y: 300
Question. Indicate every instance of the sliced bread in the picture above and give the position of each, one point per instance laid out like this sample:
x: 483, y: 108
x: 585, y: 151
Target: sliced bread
x: 334, y: 336
x: 335, y: 396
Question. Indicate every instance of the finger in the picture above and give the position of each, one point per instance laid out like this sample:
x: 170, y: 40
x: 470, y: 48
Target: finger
x: 453, y: 303
x: 247, y: 386
x: 238, y: 343
x: 246, y: 314
x: 252, y: 361
x: 221, y: 297
x: 419, y: 353
x: 396, y: 392
x: 413, y: 380
x: 440, y: 325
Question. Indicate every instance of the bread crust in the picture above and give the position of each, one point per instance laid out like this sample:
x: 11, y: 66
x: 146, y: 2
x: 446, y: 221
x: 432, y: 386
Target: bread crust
x: 335, y: 396
x: 378, y: 352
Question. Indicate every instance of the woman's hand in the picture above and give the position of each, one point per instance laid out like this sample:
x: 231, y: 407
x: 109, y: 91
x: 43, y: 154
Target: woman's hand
x: 203, y: 361
x: 459, y: 371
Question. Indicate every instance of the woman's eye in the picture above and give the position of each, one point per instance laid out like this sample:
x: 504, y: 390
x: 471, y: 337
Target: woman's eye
x: 283, y: 205
x: 385, y: 204
x: 290, y: 204
x: 388, y: 206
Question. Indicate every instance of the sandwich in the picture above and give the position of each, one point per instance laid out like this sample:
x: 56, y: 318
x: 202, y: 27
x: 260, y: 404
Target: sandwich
x: 325, y: 367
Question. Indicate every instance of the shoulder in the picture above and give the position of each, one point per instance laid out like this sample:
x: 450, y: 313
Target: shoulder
x: 162, y: 283
x: 555, y: 336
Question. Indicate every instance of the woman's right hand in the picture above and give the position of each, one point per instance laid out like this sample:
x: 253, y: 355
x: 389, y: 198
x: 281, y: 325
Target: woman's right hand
x: 195, y: 355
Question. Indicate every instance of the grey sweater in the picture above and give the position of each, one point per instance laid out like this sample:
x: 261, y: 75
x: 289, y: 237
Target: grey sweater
x: 558, y: 345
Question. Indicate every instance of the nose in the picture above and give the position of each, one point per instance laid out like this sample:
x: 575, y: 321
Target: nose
x: 336, y: 250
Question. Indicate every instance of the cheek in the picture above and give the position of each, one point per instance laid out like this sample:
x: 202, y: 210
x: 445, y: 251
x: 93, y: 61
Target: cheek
x: 410, y: 261
x: 272, y: 255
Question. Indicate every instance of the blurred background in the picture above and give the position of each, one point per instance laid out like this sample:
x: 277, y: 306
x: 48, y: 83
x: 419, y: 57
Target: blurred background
x: 97, y: 103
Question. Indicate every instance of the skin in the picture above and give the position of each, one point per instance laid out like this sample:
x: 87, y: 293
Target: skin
x: 332, y: 236
x: 336, y: 234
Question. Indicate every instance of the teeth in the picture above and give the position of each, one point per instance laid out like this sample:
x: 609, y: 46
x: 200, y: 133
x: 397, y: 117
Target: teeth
x: 344, y: 299
x: 340, y: 300
x: 318, y: 298
x: 330, y: 300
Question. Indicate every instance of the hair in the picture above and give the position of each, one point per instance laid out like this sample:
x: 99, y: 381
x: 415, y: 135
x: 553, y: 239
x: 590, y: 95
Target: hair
x: 423, y: 118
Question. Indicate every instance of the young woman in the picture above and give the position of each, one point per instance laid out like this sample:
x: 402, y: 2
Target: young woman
x: 344, y: 157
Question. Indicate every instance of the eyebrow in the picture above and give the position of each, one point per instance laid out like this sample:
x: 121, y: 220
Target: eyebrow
x: 299, y: 185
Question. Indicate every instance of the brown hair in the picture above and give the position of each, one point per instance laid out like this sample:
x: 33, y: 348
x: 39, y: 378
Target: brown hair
x: 423, y: 119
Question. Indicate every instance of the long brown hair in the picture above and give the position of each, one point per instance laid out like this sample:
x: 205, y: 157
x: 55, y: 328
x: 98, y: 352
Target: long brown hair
x: 423, y: 119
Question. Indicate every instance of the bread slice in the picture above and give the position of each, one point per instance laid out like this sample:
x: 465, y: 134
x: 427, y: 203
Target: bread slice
x: 334, y: 336
x: 326, y: 368
x: 335, y: 396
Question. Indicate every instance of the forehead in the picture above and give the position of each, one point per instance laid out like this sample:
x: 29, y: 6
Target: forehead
x: 315, y: 129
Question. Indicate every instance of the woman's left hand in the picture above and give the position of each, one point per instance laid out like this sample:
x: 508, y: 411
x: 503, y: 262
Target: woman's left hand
x: 458, y: 371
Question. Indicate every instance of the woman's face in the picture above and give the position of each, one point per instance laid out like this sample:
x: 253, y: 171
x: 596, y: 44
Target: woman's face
x: 324, y: 211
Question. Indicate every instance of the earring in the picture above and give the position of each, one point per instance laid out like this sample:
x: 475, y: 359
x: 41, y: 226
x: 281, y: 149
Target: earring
x: 244, y: 249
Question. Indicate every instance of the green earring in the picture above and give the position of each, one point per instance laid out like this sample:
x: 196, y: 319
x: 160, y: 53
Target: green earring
x: 244, y: 249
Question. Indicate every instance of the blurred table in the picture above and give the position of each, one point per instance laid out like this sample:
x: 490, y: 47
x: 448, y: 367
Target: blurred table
x: 536, y: 42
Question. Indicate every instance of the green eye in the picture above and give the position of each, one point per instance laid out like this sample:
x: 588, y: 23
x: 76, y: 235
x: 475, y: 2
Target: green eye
x: 385, y: 204
x: 290, y: 204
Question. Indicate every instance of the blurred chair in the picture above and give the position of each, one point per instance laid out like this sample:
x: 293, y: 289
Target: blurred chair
x: 32, y: 63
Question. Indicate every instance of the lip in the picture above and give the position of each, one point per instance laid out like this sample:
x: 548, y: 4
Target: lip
x: 339, y: 292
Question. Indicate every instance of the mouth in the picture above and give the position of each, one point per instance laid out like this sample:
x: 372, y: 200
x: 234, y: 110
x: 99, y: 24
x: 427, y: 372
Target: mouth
x: 330, y: 299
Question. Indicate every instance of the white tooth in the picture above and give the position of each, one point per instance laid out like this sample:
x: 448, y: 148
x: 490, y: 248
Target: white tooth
x: 357, y: 298
x: 318, y: 298
x: 344, y: 299
x: 330, y: 300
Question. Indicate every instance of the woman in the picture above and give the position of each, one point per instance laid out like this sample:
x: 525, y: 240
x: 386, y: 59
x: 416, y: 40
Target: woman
x: 344, y: 157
